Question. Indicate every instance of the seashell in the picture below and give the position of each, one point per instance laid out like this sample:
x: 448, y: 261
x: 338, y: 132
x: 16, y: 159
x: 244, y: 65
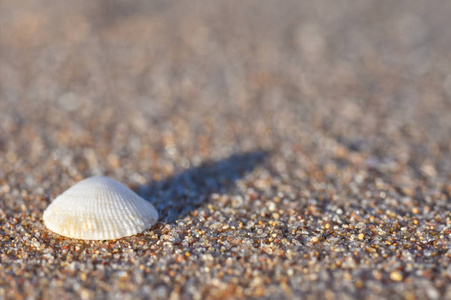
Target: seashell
x: 99, y: 208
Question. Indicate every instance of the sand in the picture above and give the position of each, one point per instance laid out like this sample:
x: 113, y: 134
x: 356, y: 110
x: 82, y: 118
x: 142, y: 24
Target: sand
x: 293, y: 150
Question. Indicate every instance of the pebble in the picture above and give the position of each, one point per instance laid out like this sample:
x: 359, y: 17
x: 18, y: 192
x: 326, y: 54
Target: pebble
x: 396, y: 276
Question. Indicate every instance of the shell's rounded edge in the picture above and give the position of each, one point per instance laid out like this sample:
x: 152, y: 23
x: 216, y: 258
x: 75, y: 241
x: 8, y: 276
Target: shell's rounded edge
x: 99, y: 208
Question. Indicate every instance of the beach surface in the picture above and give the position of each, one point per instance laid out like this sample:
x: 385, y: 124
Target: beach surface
x: 293, y: 149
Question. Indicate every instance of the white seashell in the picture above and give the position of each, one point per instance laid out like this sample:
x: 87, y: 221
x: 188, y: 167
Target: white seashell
x: 99, y: 208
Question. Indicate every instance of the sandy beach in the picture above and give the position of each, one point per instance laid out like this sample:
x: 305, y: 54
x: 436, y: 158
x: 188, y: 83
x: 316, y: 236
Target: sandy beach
x: 293, y: 149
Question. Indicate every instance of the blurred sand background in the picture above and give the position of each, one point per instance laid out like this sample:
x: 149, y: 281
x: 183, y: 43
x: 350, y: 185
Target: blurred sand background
x: 294, y: 149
